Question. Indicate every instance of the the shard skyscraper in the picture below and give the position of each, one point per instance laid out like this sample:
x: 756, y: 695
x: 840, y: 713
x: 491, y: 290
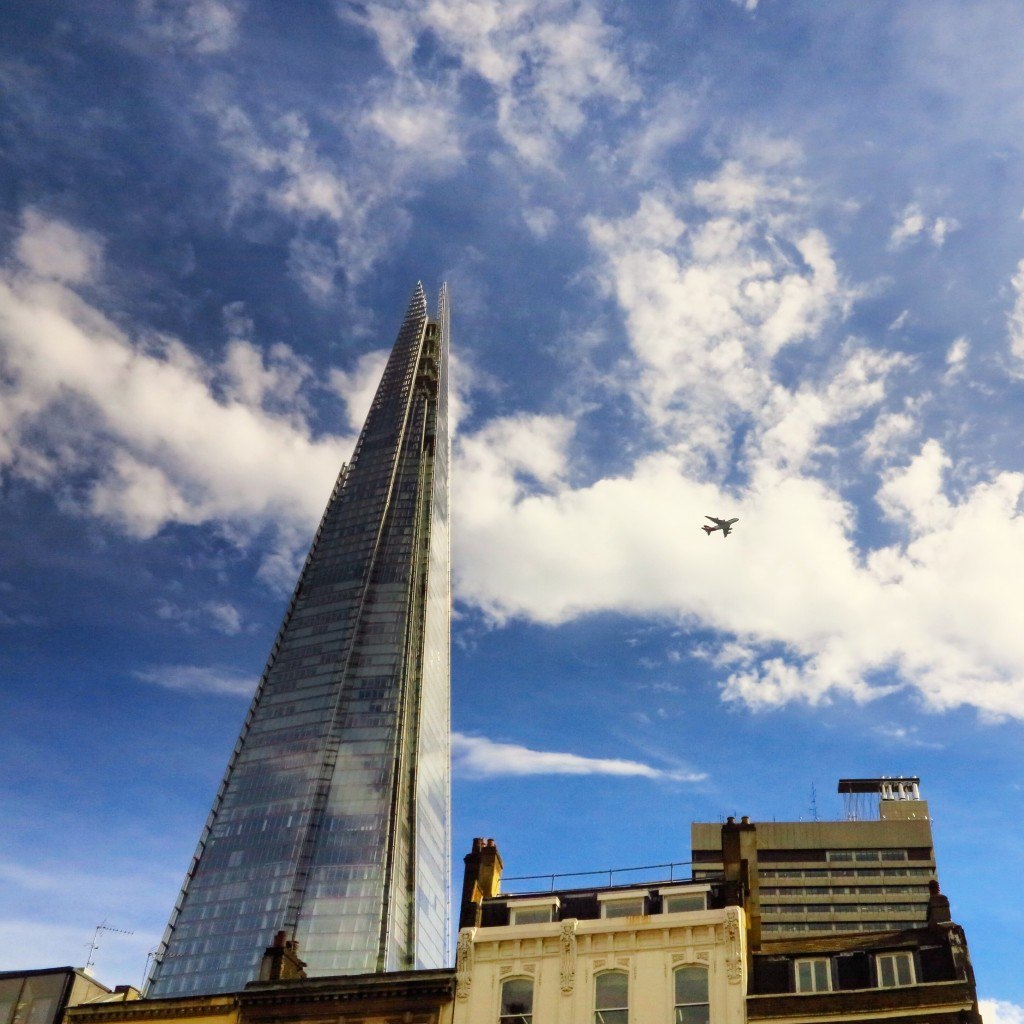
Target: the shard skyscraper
x: 333, y: 817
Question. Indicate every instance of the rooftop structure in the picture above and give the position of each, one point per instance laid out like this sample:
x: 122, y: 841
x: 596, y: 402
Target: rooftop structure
x: 869, y: 872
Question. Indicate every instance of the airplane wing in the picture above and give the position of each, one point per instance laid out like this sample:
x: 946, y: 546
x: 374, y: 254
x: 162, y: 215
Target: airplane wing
x: 717, y: 522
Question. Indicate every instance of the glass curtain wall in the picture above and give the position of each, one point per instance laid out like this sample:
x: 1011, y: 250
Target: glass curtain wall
x: 332, y: 820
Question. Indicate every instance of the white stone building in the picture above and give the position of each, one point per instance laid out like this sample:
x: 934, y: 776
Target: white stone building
x: 638, y: 960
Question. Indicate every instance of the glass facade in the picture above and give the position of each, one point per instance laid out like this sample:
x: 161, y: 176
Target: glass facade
x: 332, y: 820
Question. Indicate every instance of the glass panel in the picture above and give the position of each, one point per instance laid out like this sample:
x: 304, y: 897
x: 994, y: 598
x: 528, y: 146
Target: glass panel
x: 681, y: 904
x: 9, y: 989
x: 904, y: 973
x: 611, y: 991
x: 623, y: 908
x: 697, y: 1014
x: 517, y: 1001
x: 821, y: 976
x: 531, y: 915
x: 691, y: 985
x: 886, y: 973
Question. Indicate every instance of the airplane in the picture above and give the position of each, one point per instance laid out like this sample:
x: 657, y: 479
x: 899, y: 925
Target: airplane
x: 725, y: 525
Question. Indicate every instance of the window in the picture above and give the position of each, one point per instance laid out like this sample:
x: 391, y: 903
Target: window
x: 531, y: 915
x: 622, y: 906
x: 680, y: 901
x: 516, y: 1001
x: 895, y: 969
x: 611, y: 998
x: 692, y: 996
x: 813, y: 975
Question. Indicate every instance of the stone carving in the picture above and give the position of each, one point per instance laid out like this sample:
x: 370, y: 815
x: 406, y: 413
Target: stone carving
x: 464, y: 963
x: 733, y: 960
x: 567, y: 942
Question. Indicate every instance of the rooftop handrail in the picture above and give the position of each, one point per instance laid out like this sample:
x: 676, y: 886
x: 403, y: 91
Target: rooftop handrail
x: 610, y: 873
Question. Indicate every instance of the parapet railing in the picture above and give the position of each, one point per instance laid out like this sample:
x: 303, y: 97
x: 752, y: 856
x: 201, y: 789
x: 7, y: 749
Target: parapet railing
x: 609, y: 877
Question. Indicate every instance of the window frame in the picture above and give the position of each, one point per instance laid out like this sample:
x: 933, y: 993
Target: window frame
x: 599, y: 1011
x: 895, y: 956
x: 813, y: 961
x: 668, y: 892
x: 549, y: 903
x: 606, y: 899
x: 706, y: 1002
x: 515, y: 1017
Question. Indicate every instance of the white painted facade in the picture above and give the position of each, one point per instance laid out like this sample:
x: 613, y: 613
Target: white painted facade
x: 563, y: 959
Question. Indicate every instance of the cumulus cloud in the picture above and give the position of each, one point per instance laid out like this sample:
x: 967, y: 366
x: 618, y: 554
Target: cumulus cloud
x: 477, y: 757
x: 198, y: 679
x: 1001, y: 1011
x: 716, y: 285
x: 136, y: 430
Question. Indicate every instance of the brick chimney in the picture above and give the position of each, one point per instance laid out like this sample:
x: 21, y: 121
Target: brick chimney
x: 281, y: 960
x: 482, y: 879
x: 938, y: 905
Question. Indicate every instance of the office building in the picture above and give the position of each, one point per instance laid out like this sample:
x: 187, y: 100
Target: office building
x: 845, y: 919
x: 331, y: 823
x: 868, y: 872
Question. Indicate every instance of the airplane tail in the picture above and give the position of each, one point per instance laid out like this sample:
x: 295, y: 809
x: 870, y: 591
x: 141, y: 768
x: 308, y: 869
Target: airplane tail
x: 709, y: 529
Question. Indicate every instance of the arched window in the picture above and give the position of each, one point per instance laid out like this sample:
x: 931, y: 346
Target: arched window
x: 611, y: 998
x: 692, y: 996
x: 516, y: 1001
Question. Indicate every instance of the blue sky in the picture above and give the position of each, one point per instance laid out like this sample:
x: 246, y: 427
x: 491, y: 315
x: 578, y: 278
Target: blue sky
x: 762, y: 259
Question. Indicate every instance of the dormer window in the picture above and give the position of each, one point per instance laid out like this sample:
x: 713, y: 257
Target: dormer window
x: 684, y: 898
x: 622, y: 904
x: 535, y: 911
x: 894, y: 969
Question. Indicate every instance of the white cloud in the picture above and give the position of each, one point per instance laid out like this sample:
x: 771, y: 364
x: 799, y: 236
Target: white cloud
x: 51, y: 248
x: 913, y: 223
x: 711, y: 298
x: 198, y: 679
x: 1000, y: 1011
x: 888, y: 435
x: 956, y: 358
x: 1016, y: 316
x: 136, y: 430
x: 540, y: 220
x: 477, y: 757
x: 358, y: 386
x: 204, y: 26
x: 345, y: 214
x: 221, y: 616
x: 544, y: 60
x: 712, y: 290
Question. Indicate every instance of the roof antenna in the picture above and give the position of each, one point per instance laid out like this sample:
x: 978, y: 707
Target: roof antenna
x: 814, y: 803
x: 95, y: 944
